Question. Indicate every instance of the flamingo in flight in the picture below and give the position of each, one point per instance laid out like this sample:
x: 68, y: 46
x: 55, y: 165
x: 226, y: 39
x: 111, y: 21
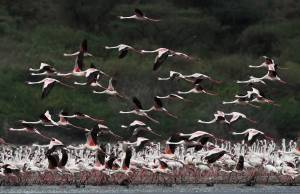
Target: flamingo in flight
x: 195, y: 76
x: 63, y: 121
x: 45, y: 119
x: 79, y: 62
x: 48, y: 84
x: 123, y: 49
x: 271, y: 75
x: 198, y: 89
x: 173, y: 75
x: 92, y: 76
x: 139, y: 144
x: 159, y: 107
x: 29, y: 129
x: 252, y: 80
x: 110, y: 90
x: 268, y: 61
x: 48, y: 70
x: 235, y: 116
x: 219, y: 116
x: 174, y: 97
x: 134, y: 124
x: 139, y: 15
x: 241, y: 100
x: 251, y: 135
x: 79, y: 115
x: 82, y: 50
x: 163, y: 54
x: 138, y: 110
x: 103, y: 129
x: 139, y: 130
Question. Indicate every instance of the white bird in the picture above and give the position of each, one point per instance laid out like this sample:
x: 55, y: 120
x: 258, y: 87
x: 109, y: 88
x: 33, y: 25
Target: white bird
x: 48, y: 70
x: 134, y: 124
x: 251, y: 135
x: 174, y: 97
x: 48, y: 84
x: 268, y: 61
x: 252, y: 80
x: 139, y: 15
x: 110, y: 90
x: 79, y: 115
x: 159, y: 107
x: 29, y: 129
x: 173, y: 75
x: 138, y: 110
x: 241, y: 101
x: 123, y: 49
x: 193, y: 77
x: 198, y: 89
x: 271, y: 75
x: 238, y: 115
x: 219, y: 116
x: 64, y: 122
x: 45, y: 119
x: 163, y: 54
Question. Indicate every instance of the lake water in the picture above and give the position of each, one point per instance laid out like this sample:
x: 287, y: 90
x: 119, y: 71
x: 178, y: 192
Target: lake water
x: 149, y: 189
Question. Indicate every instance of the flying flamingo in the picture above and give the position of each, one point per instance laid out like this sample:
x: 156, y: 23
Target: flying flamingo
x: 240, y: 100
x: 139, y: 15
x: 198, y: 89
x: 83, y: 49
x: 141, y: 129
x: 92, y: 75
x: 110, y: 90
x: 236, y: 116
x: 63, y: 121
x: 45, y: 119
x: 174, y: 97
x: 251, y: 135
x: 123, y: 49
x: 48, y: 70
x: 219, y: 116
x: 159, y: 107
x: 138, y: 110
x: 48, y: 84
x: 134, y: 124
x: 103, y: 129
x: 252, y: 80
x: 79, y: 115
x: 163, y: 54
x: 29, y: 129
x: 268, y: 61
x: 173, y: 75
x: 193, y: 77
x: 271, y: 75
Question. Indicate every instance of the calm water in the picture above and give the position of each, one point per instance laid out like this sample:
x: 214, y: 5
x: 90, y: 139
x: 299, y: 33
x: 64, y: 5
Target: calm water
x: 149, y: 189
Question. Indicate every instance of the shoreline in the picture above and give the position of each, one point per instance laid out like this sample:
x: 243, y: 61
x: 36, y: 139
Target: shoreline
x: 143, y: 177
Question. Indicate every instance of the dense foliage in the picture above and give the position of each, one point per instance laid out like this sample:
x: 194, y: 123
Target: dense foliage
x: 226, y: 36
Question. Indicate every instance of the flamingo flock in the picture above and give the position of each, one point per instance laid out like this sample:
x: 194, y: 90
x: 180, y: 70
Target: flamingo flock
x: 196, y: 157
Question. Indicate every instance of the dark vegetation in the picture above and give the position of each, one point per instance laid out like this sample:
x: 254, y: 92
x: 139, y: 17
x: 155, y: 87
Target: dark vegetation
x: 226, y: 36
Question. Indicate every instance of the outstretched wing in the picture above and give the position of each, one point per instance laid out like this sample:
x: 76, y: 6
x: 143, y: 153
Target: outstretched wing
x: 198, y: 81
x: 137, y: 103
x: 138, y: 12
x: 123, y: 53
x: 47, y: 90
x: 112, y: 82
x: 83, y: 46
x: 158, y: 102
x: 92, y: 77
x: 79, y: 60
x: 159, y: 60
